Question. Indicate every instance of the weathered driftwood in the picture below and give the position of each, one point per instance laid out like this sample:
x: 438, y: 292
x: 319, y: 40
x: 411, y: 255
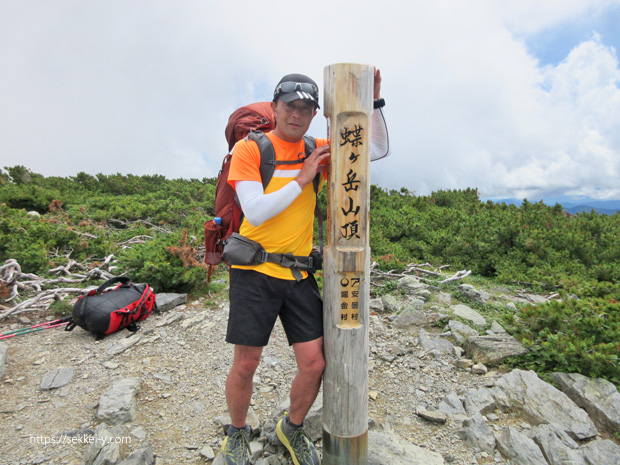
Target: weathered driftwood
x: 459, y: 275
x: 134, y: 240
x: 12, y: 279
x: 41, y: 301
x: 416, y: 268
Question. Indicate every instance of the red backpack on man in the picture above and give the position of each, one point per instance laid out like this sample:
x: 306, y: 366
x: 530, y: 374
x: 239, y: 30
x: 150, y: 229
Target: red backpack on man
x: 250, y: 121
x: 253, y: 117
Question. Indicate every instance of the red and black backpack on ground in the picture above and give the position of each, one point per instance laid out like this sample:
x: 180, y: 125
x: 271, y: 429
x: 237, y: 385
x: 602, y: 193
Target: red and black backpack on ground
x: 252, y: 122
x: 104, y: 311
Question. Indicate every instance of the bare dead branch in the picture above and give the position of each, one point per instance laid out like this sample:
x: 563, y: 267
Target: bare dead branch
x: 40, y: 301
x: 13, y: 281
x: 418, y: 268
x: 459, y: 275
x: 134, y: 240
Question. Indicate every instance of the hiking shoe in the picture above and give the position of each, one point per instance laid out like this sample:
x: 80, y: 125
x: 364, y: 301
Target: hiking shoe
x: 298, y: 443
x: 236, y: 448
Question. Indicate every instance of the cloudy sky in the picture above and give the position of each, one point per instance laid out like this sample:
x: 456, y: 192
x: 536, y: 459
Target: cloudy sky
x: 518, y: 98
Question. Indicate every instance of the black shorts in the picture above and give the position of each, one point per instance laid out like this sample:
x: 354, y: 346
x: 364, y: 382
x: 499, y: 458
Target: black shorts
x: 256, y: 301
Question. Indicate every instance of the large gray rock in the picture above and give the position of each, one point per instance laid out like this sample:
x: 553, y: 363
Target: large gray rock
x: 57, y: 378
x: 412, y: 286
x: 118, y: 404
x: 4, y: 349
x: 478, y: 400
x: 434, y: 343
x: 469, y: 314
x: 557, y: 446
x: 493, y: 349
x: 541, y: 403
x: 598, y: 397
x: 518, y: 448
x: 462, y: 329
x: 386, y: 448
x: 410, y: 317
x: 376, y: 305
x: 102, y: 450
x: 168, y: 301
x: 452, y: 405
x: 601, y: 452
x: 477, y: 434
x: 390, y: 303
x: 142, y: 456
x: 474, y: 294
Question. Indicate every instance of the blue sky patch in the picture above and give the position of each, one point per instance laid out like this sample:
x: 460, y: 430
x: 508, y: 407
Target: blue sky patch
x: 552, y: 46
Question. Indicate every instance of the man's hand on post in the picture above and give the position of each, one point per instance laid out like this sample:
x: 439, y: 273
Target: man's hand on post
x: 312, y: 165
x: 377, y: 90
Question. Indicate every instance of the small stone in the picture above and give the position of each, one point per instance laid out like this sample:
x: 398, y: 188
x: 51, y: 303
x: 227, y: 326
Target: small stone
x: 166, y: 302
x: 479, y: 369
x: 139, y: 433
x: 436, y: 416
x: 56, y: 378
x: 118, y: 404
x: 464, y: 363
x: 122, y: 345
x: 497, y: 328
x: 469, y: 314
x: 207, y: 452
x: 164, y: 377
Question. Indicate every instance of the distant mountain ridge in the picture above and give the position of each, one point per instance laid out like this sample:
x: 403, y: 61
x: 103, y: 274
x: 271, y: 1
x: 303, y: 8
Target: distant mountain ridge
x: 572, y: 205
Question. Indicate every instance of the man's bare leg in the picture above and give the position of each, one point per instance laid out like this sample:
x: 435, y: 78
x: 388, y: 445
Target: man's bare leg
x: 307, y: 382
x: 239, y: 384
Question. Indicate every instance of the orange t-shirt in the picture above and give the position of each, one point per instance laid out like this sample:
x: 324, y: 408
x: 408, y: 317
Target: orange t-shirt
x: 291, y: 230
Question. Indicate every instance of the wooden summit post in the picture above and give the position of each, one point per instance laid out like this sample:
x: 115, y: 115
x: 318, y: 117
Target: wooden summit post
x: 348, y: 104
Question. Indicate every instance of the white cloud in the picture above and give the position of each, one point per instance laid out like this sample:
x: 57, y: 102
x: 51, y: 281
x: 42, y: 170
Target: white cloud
x: 146, y: 87
x: 532, y: 16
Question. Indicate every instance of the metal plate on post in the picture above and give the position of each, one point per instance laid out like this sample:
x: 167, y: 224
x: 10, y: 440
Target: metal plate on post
x: 345, y: 451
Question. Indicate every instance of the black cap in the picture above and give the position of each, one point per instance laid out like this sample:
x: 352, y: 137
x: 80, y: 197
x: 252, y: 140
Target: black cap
x: 296, y: 90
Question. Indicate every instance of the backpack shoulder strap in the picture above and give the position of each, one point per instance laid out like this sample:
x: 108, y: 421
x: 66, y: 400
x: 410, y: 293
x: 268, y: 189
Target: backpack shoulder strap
x: 310, y: 146
x: 267, y: 155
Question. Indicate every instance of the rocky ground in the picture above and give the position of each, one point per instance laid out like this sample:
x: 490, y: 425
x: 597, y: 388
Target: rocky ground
x: 424, y: 390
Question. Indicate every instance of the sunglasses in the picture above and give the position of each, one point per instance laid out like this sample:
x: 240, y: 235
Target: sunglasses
x: 289, y: 86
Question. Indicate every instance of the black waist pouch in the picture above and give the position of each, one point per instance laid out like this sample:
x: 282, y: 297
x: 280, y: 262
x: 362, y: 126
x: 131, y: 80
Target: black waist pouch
x: 240, y: 250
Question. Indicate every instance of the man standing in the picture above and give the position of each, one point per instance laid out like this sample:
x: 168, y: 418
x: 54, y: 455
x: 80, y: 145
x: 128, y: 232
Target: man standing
x: 281, y: 217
